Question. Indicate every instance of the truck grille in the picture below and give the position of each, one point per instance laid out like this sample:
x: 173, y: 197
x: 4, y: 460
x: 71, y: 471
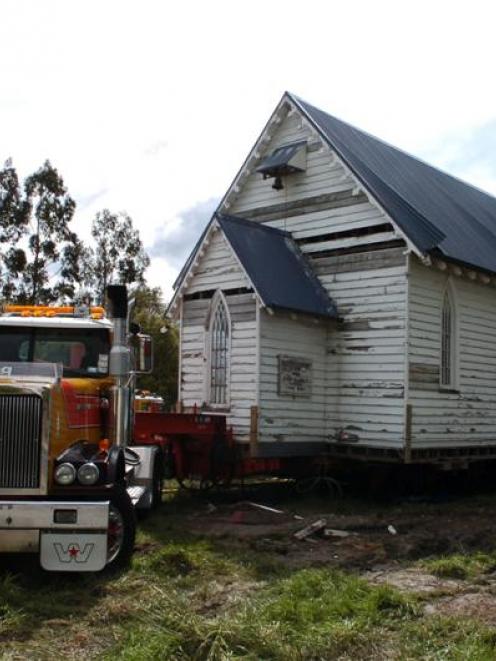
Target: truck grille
x: 20, y: 441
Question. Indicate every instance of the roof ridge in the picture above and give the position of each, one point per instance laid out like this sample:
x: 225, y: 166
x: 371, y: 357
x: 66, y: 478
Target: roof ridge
x: 389, y: 145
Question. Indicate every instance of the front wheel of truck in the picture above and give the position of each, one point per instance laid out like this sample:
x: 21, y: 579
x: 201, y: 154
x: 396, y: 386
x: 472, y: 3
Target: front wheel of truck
x: 121, y: 530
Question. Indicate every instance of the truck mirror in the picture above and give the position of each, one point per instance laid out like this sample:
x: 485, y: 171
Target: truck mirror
x: 144, y: 354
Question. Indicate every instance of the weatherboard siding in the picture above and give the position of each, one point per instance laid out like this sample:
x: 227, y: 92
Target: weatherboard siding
x: 217, y: 268
x: 467, y: 415
x: 283, y: 418
x: 322, y: 200
x: 194, y: 357
x: 363, y: 374
x: 323, y: 174
x: 365, y: 383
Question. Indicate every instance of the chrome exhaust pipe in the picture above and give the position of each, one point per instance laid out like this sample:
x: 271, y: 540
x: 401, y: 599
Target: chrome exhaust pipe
x: 119, y: 366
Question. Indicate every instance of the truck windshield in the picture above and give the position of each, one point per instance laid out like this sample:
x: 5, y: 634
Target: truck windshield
x: 82, y: 352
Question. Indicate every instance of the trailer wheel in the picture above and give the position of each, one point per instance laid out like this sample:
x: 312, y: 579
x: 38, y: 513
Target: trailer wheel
x: 121, y: 530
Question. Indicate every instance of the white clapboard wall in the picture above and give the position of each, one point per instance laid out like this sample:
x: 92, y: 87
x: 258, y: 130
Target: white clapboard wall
x: 218, y: 269
x: 359, y: 384
x: 285, y: 417
x: 465, y: 415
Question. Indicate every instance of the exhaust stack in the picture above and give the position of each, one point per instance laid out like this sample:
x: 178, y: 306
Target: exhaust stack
x: 120, y: 366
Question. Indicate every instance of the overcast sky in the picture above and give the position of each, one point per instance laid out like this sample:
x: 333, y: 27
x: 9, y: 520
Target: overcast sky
x: 151, y: 107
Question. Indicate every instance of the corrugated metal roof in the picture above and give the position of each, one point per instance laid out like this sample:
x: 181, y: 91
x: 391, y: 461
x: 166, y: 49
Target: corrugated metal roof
x: 436, y: 211
x: 276, y: 267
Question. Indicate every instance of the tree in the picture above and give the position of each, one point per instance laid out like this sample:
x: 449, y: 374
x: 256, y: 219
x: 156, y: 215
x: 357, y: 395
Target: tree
x: 118, y: 254
x: 14, y: 215
x: 150, y: 313
x: 47, y: 209
x: 75, y: 269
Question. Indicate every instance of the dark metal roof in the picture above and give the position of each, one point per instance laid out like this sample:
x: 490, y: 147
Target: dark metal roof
x: 436, y: 211
x: 276, y: 267
x: 280, y: 158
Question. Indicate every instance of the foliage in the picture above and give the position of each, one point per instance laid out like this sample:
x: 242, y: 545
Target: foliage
x: 51, y: 209
x: 150, y: 313
x: 14, y: 215
x: 118, y: 255
x: 42, y: 260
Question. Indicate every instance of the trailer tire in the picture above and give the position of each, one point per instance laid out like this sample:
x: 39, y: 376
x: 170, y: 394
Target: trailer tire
x: 121, y: 530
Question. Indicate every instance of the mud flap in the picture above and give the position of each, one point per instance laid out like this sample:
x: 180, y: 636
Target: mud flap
x: 73, y: 551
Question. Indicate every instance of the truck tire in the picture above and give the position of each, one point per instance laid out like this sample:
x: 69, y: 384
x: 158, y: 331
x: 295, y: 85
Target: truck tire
x: 121, y: 530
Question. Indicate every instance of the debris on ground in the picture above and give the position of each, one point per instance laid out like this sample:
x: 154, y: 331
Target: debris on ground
x: 312, y: 529
x: 250, y: 513
x: 392, y: 530
x: 331, y: 532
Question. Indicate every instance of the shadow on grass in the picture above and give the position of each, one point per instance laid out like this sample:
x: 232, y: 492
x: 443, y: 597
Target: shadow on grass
x: 30, y: 597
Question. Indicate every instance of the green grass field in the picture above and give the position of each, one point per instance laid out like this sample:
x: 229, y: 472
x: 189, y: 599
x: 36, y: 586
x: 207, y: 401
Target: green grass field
x: 199, y: 597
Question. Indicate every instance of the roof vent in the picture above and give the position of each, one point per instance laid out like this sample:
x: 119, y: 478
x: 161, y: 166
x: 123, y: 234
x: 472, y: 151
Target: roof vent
x: 284, y: 160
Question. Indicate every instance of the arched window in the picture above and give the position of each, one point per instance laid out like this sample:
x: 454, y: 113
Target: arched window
x: 219, y: 351
x: 447, y: 377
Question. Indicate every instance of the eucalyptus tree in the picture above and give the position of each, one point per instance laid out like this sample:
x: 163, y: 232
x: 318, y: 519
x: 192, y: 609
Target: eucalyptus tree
x: 14, y: 216
x: 118, y: 252
x: 35, y: 264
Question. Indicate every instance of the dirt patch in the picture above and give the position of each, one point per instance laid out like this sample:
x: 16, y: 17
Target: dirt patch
x: 478, y: 605
x: 223, y: 596
x: 414, y: 580
x: 388, y: 536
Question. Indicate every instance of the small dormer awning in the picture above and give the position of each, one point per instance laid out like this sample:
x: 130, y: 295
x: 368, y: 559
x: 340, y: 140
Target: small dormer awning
x: 285, y: 160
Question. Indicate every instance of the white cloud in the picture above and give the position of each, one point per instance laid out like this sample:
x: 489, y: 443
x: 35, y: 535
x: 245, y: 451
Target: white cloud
x: 151, y: 107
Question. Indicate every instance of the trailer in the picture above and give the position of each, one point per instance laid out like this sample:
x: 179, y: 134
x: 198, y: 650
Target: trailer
x: 199, y: 450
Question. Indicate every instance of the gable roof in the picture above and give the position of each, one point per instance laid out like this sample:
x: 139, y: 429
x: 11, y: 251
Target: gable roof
x: 274, y: 264
x: 438, y: 213
x: 276, y: 267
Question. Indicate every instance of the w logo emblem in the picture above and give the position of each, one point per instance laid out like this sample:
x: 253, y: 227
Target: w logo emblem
x: 73, y: 552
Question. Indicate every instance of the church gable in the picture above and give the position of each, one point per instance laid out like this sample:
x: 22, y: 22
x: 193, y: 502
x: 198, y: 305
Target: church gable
x: 324, y: 207
x: 215, y: 267
x: 322, y: 172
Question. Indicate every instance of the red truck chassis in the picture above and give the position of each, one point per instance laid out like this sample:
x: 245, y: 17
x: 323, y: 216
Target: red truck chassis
x: 199, y: 448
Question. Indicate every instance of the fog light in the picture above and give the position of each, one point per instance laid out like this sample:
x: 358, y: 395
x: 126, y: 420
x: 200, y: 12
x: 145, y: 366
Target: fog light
x: 88, y: 474
x: 65, y: 474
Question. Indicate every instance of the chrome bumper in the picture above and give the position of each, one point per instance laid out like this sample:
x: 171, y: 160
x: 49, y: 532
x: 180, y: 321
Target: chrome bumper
x: 22, y: 522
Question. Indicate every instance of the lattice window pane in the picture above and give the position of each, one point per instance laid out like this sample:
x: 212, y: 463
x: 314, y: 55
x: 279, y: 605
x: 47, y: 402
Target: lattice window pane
x: 219, y: 355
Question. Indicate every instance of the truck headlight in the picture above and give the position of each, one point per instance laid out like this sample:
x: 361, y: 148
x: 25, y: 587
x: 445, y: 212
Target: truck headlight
x: 88, y: 474
x: 65, y: 474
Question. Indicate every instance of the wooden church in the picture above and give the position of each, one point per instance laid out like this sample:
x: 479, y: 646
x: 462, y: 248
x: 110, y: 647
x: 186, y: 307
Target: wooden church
x: 343, y: 299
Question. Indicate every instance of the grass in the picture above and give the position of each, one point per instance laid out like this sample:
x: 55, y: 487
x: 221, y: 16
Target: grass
x: 311, y: 614
x: 461, y: 566
x: 186, y: 598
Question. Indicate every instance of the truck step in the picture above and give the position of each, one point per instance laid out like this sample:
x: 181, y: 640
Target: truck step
x: 136, y: 494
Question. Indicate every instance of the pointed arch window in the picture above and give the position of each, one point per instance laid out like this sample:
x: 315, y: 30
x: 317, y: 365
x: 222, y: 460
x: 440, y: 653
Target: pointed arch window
x: 219, y: 352
x: 448, y: 341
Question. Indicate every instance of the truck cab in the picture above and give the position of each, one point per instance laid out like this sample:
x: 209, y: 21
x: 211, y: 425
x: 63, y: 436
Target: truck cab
x: 68, y: 481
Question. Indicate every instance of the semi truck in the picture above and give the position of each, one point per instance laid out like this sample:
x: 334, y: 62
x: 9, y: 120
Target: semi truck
x: 69, y: 481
